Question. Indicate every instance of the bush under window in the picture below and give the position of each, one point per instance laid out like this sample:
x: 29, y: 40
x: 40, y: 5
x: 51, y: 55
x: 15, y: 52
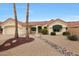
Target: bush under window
x: 66, y: 33
x: 44, y: 31
x: 52, y: 33
x: 72, y: 37
x: 39, y: 29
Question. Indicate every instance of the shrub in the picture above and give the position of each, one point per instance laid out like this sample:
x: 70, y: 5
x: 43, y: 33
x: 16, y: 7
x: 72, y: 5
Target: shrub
x: 66, y: 33
x: 53, y: 33
x: 73, y: 37
x: 44, y: 31
x: 39, y: 29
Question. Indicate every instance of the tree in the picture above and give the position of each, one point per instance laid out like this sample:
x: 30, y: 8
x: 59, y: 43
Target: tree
x: 27, y: 23
x: 16, y: 21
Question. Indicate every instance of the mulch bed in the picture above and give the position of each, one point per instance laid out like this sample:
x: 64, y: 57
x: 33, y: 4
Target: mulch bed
x: 14, y: 42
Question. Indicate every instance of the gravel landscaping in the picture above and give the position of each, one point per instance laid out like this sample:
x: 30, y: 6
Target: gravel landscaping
x: 63, y: 45
x: 43, y: 45
x: 60, y: 49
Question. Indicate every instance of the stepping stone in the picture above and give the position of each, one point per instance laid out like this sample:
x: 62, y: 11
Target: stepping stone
x: 14, y: 41
x: 7, y: 44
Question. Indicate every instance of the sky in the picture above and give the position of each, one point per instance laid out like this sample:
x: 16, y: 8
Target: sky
x: 41, y: 11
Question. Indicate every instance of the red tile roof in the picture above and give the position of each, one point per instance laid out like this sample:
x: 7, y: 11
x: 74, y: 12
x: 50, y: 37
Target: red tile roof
x: 73, y: 24
x: 45, y: 22
x: 38, y: 23
x: 11, y: 19
x: 70, y: 24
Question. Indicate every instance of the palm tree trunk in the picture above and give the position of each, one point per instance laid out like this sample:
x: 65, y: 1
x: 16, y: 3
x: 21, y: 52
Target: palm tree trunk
x: 16, y: 21
x: 27, y: 23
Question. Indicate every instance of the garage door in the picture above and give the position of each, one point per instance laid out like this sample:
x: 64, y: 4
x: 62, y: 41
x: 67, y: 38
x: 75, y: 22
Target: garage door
x: 9, y: 30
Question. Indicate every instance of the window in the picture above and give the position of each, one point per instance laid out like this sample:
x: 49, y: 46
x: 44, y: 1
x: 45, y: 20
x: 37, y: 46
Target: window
x: 33, y: 28
x: 45, y: 27
x: 57, y: 28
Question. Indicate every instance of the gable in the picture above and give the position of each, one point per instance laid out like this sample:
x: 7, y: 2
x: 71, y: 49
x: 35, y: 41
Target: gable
x: 64, y: 24
x: 10, y: 22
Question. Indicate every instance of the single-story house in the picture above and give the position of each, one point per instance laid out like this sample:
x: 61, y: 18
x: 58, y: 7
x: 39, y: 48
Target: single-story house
x: 8, y: 26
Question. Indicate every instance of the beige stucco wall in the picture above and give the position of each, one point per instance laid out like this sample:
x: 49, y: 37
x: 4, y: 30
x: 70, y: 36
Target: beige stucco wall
x: 64, y: 25
x: 74, y: 30
x: 9, y: 28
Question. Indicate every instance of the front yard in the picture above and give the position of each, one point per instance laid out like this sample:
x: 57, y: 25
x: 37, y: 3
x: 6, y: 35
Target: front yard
x: 35, y: 48
x: 63, y: 42
x: 40, y: 47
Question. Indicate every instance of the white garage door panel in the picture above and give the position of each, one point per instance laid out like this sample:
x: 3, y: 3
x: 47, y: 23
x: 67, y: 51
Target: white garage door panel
x: 10, y: 30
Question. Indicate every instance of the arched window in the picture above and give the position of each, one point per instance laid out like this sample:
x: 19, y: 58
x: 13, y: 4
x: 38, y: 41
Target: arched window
x: 57, y: 28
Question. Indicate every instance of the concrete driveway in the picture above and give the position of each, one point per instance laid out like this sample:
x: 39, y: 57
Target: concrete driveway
x: 35, y: 48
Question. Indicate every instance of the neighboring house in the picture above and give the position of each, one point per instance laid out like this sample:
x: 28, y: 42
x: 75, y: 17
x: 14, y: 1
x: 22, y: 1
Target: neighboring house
x: 9, y: 26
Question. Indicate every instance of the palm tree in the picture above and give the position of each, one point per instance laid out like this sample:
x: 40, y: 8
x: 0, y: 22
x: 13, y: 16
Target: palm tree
x: 16, y: 21
x: 27, y: 23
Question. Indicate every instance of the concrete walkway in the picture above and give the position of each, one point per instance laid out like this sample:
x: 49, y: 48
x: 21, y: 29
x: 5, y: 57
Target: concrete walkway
x: 63, y: 43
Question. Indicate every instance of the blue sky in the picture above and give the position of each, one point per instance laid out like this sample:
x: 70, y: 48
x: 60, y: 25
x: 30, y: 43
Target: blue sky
x: 41, y: 11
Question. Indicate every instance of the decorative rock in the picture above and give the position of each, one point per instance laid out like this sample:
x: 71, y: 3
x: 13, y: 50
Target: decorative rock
x: 14, y: 41
x: 62, y: 50
x: 7, y: 44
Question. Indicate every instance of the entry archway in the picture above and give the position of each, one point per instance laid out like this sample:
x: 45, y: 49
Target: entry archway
x: 57, y: 28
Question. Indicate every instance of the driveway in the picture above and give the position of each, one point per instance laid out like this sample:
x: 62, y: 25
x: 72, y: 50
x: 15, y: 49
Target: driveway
x: 35, y: 48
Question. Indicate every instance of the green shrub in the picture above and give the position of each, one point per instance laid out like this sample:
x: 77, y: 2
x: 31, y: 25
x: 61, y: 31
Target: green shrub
x: 52, y: 33
x: 73, y: 37
x: 66, y: 33
x: 39, y: 29
x: 44, y: 31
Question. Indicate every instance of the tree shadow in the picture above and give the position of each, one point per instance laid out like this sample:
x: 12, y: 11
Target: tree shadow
x: 14, y: 42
